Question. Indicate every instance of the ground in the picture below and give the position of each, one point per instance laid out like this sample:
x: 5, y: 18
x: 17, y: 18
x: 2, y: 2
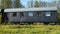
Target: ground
x: 29, y: 29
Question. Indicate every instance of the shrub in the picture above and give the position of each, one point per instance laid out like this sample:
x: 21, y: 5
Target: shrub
x: 59, y: 17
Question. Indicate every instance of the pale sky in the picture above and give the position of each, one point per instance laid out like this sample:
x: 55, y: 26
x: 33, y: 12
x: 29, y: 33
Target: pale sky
x: 24, y: 2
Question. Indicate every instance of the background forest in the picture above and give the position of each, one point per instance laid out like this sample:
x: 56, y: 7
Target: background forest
x: 18, y: 4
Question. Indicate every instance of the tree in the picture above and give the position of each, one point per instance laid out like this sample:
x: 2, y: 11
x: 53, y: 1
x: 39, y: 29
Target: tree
x: 54, y: 4
x: 36, y: 4
x: 6, y: 3
x: 0, y: 4
x: 17, y: 4
x: 9, y: 4
x: 42, y: 4
x: 3, y: 3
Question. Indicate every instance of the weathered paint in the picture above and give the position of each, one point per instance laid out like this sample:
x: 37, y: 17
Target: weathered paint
x: 26, y: 18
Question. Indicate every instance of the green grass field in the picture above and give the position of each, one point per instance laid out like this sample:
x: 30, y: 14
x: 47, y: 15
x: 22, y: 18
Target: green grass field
x: 29, y: 29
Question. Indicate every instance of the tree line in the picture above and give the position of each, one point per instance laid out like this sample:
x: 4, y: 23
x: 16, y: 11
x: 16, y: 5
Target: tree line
x: 45, y: 4
x: 11, y: 4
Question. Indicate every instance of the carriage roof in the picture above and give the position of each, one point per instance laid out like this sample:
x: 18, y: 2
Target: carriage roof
x: 30, y: 9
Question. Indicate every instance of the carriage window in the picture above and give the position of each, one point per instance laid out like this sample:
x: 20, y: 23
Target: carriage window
x: 39, y: 14
x: 48, y: 14
x: 14, y: 14
x: 30, y: 14
x: 21, y: 14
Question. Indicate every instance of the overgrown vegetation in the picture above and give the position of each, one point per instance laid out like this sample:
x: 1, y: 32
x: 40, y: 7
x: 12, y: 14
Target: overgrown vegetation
x: 59, y: 17
x: 0, y: 18
x: 29, y: 29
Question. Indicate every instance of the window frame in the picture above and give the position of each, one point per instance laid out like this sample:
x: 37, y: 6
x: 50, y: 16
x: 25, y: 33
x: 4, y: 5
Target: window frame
x: 30, y: 14
x: 48, y: 13
x: 14, y: 14
x: 39, y: 13
x: 21, y: 13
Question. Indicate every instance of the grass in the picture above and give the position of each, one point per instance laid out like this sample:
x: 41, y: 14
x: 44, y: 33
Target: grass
x: 29, y: 29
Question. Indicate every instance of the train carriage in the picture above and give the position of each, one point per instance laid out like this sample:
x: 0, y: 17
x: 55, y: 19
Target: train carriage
x: 46, y: 14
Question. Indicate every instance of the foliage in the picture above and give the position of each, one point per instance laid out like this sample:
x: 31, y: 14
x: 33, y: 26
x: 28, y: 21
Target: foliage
x: 6, y: 3
x: 58, y: 14
x: 0, y: 18
x: 36, y: 4
x: 17, y: 4
x: 59, y: 17
x: 43, y: 4
x: 29, y: 29
x: 11, y: 4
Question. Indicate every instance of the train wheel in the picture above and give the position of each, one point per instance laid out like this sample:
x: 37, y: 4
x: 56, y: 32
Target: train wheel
x: 55, y: 23
x: 46, y: 23
x: 30, y: 23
